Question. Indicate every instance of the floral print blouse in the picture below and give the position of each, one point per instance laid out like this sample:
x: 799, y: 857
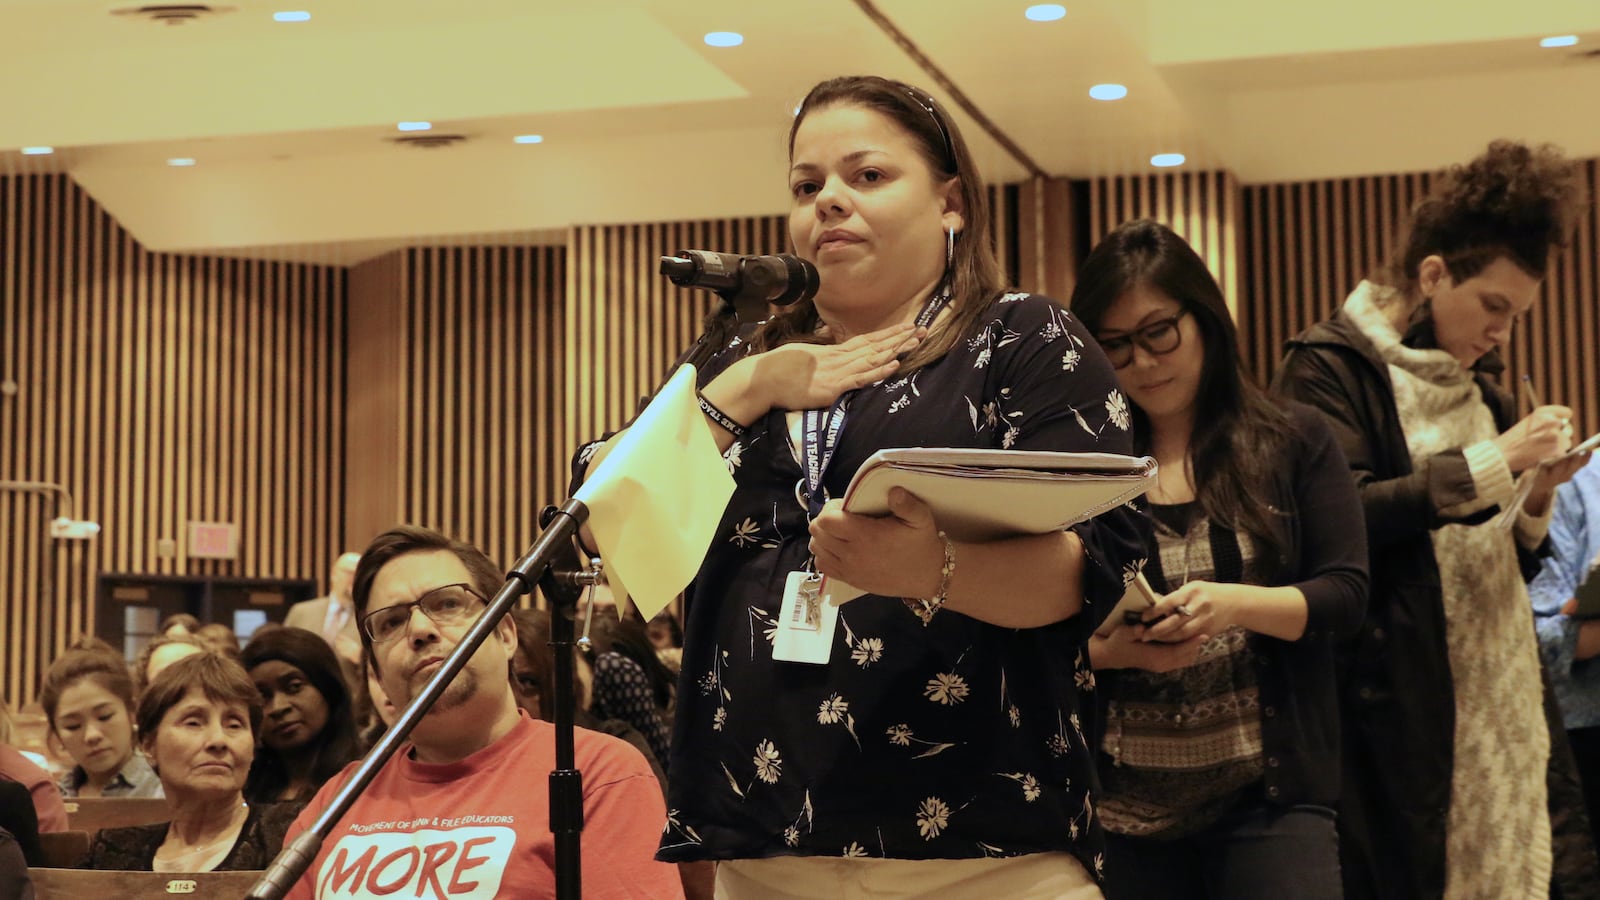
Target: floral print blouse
x: 954, y: 739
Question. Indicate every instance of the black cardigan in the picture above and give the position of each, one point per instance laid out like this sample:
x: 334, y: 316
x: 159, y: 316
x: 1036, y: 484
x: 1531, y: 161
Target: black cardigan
x: 134, y: 848
x: 1398, y: 707
x: 1327, y: 561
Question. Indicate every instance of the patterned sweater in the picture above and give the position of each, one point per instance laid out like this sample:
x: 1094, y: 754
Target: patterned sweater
x: 1497, y: 841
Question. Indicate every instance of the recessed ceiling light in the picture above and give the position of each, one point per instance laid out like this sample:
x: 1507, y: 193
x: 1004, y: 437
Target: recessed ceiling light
x: 292, y: 15
x: 724, y: 38
x: 1560, y: 40
x: 38, y: 151
x: 1045, y: 12
x: 415, y: 126
x: 1108, y: 92
x: 528, y: 139
x: 180, y: 162
x: 1167, y: 160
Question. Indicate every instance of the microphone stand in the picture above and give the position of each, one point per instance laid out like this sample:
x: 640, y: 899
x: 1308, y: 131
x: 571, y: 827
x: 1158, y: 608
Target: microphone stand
x: 554, y: 547
x: 720, y: 325
x: 561, y: 587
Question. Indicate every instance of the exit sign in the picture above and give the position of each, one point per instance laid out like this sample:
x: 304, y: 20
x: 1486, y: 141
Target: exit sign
x: 213, y: 540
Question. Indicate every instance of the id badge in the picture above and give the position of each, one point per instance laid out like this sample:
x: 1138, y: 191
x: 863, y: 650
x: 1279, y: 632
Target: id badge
x: 805, y: 623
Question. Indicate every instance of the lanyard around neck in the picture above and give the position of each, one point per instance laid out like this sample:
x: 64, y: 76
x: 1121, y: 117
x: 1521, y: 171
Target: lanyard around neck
x: 821, y: 428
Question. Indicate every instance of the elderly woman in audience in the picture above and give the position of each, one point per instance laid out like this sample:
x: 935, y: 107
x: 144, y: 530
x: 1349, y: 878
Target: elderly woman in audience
x: 88, y: 702
x: 160, y: 653
x: 197, y: 723
x: 309, y: 732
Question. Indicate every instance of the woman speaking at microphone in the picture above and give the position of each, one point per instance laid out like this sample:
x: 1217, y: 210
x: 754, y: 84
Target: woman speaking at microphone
x: 940, y: 745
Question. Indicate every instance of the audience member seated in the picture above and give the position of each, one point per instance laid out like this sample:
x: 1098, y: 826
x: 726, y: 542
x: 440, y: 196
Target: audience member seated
x: 1571, y: 645
x: 667, y: 637
x: 533, y: 681
x: 47, y: 803
x: 197, y: 722
x: 308, y: 733
x: 14, y: 881
x: 88, y: 701
x: 464, y: 807
x: 160, y: 653
x: 380, y: 710
x: 179, y: 625
x: 19, y: 820
x: 219, y: 638
x: 631, y: 683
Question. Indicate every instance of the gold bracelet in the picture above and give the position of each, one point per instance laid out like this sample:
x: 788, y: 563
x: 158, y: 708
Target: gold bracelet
x: 925, y: 609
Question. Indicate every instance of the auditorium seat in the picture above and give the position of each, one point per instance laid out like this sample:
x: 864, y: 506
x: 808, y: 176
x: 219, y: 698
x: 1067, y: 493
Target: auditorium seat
x: 86, y: 884
x: 94, y: 813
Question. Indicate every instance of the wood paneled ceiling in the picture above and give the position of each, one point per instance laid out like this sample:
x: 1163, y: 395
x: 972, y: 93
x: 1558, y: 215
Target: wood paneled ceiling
x: 291, y: 124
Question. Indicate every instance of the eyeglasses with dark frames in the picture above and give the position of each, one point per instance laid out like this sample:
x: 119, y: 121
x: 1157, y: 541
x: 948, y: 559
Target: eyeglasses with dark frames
x: 452, y: 604
x: 1157, y: 338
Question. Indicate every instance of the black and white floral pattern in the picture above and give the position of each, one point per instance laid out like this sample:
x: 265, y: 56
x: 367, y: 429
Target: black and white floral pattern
x: 954, y: 740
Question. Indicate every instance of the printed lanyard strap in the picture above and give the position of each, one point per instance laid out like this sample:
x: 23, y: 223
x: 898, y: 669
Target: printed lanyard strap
x: 822, y: 428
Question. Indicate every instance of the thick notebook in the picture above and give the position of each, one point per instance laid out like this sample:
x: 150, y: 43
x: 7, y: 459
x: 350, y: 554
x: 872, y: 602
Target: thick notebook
x: 983, y: 495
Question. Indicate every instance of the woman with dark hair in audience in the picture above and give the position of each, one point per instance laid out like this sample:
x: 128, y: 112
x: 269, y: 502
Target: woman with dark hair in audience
x: 88, y: 701
x: 533, y: 682
x: 631, y: 683
x: 1446, y: 740
x: 219, y: 638
x: 160, y: 652
x: 197, y: 723
x: 667, y: 638
x: 309, y: 732
x: 1219, y: 755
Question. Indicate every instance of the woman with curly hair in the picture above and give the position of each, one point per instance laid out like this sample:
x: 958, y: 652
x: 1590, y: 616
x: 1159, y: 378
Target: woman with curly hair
x: 1445, y: 738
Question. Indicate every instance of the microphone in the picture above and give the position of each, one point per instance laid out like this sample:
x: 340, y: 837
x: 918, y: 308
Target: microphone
x: 780, y: 280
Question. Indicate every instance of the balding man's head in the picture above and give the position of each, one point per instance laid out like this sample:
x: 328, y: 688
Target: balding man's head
x: 342, y: 575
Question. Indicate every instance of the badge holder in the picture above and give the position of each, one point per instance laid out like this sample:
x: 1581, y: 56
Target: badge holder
x: 805, y: 623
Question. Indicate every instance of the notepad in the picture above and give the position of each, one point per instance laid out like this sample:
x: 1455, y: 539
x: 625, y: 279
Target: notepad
x: 985, y: 495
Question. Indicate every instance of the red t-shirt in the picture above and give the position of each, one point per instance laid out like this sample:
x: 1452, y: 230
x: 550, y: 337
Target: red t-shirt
x: 47, y: 797
x: 480, y: 828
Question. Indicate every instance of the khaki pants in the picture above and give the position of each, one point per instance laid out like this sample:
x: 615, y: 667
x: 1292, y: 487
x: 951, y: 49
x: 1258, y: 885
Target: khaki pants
x: 1039, y: 876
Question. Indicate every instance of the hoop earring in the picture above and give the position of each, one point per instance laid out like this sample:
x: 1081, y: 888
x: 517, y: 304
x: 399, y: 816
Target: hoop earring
x: 949, y: 247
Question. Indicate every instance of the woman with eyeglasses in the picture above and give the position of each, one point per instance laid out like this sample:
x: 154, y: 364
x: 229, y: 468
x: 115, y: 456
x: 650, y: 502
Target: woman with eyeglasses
x: 1447, y: 744
x: 936, y: 741
x: 1219, y: 753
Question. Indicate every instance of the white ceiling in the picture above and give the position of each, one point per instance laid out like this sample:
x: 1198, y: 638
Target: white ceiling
x: 290, y: 124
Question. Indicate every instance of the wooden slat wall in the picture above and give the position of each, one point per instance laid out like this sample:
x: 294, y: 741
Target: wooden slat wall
x: 626, y: 324
x: 1202, y: 207
x: 479, y: 375
x: 1309, y: 243
x: 158, y: 389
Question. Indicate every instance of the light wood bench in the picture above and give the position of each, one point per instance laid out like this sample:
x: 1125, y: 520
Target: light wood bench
x: 87, y: 884
x: 94, y: 813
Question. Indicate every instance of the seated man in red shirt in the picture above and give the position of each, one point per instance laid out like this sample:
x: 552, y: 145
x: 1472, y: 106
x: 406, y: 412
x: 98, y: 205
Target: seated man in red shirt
x: 463, y: 810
